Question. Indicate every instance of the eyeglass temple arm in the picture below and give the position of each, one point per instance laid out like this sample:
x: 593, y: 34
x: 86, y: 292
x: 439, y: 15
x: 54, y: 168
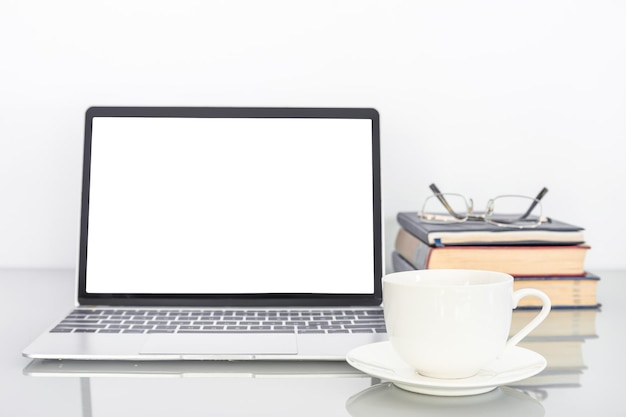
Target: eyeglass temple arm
x: 543, y: 192
x: 443, y: 201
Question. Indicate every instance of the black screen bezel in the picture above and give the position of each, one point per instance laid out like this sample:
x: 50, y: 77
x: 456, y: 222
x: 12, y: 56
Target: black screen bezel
x: 236, y: 300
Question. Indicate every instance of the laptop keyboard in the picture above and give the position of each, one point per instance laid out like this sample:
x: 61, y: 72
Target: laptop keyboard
x: 116, y: 320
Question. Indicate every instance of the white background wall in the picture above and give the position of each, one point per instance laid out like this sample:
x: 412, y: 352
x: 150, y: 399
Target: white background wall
x: 483, y: 97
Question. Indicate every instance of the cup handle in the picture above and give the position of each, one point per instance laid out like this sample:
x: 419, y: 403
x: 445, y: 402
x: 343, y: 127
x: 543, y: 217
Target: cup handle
x: 536, y: 321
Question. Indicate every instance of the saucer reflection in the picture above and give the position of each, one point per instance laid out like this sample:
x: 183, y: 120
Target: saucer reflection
x: 388, y: 400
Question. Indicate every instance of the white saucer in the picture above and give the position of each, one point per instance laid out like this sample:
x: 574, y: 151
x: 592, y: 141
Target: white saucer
x: 381, y: 361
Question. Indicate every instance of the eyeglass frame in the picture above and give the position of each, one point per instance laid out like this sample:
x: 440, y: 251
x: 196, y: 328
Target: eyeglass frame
x: 470, y: 216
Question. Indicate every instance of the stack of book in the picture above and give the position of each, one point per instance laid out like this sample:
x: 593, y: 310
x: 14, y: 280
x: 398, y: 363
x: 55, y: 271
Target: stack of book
x: 549, y: 257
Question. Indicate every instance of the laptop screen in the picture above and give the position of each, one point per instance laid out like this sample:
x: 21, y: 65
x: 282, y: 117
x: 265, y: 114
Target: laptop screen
x: 251, y: 204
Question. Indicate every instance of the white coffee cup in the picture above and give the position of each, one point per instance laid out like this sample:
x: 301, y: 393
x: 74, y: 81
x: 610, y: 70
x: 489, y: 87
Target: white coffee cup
x: 450, y: 323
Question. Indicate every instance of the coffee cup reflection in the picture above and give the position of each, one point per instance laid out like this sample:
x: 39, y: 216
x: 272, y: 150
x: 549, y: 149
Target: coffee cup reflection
x: 391, y: 401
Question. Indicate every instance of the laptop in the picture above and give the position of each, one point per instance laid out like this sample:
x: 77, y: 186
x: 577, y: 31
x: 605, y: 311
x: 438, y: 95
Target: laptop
x: 225, y: 234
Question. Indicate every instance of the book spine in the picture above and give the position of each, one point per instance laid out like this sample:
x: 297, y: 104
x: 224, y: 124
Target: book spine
x: 416, y: 252
x: 410, y: 226
x: 400, y: 264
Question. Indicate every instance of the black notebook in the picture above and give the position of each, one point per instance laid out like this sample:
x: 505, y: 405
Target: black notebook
x: 473, y: 232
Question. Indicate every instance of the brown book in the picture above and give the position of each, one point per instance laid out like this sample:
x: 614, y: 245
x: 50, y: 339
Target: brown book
x: 537, y: 260
x: 572, y: 292
x: 564, y: 291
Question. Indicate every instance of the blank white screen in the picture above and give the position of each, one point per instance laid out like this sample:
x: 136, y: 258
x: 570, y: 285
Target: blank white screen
x: 233, y: 205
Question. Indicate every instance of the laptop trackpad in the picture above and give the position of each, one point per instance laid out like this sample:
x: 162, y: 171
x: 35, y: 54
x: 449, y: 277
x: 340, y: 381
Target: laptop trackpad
x: 228, y: 345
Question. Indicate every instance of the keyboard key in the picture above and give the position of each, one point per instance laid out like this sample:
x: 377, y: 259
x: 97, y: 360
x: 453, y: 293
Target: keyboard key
x: 79, y: 322
x: 62, y: 330
x: 141, y: 327
x: 213, y: 328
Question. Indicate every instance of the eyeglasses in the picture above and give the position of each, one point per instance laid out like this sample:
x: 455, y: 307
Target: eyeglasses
x: 515, y: 211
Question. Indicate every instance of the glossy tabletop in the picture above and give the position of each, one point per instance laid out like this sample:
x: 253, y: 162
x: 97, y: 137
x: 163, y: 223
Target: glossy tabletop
x: 584, y: 349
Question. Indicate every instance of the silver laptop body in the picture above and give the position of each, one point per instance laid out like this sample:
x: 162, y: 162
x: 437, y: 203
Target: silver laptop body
x: 268, y: 216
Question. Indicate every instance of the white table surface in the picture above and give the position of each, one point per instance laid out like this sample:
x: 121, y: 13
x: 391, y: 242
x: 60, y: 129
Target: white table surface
x: 33, y: 299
